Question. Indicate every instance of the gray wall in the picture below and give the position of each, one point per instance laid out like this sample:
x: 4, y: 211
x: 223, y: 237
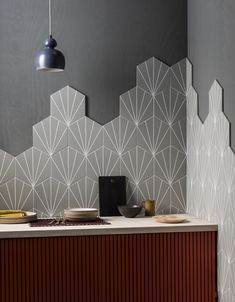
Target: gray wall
x: 211, y: 49
x: 146, y: 142
x: 103, y: 41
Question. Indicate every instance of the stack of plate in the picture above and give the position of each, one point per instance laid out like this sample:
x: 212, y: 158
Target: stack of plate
x: 28, y: 217
x: 81, y: 214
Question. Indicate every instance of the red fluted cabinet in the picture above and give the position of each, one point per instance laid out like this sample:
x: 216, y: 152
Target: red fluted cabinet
x: 167, y: 267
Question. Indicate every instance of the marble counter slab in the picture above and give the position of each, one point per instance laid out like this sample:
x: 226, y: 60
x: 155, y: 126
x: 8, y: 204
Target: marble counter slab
x: 118, y: 225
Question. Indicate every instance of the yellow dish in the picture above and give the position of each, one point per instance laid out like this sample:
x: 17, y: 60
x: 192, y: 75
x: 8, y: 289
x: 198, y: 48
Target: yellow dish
x: 12, y: 213
x: 28, y: 217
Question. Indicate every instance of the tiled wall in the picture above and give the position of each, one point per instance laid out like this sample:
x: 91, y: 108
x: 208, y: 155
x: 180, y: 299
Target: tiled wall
x: 211, y: 180
x: 147, y: 143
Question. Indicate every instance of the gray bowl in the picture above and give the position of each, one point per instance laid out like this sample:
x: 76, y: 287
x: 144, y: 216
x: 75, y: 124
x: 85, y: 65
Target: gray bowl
x: 129, y: 211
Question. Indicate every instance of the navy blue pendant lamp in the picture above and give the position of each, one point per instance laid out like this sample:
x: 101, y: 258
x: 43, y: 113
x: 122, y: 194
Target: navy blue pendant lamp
x: 49, y: 58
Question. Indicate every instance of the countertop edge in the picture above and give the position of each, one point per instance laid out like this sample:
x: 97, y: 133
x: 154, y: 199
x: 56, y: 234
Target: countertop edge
x: 108, y: 231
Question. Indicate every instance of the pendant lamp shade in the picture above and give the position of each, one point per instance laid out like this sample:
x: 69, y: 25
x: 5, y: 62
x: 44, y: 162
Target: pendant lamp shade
x: 49, y: 58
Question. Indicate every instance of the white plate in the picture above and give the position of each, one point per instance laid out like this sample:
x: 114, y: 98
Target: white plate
x: 30, y: 216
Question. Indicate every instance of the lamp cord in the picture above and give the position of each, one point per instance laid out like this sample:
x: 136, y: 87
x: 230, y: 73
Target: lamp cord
x: 50, y: 26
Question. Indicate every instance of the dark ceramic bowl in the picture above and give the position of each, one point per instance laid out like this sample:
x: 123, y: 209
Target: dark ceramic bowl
x: 129, y: 211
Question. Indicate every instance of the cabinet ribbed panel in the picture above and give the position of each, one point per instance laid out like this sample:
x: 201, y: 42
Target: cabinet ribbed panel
x: 171, y: 267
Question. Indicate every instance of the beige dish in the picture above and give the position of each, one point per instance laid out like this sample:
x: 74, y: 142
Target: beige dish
x: 81, y: 218
x: 81, y: 214
x: 30, y: 216
x: 171, y: 218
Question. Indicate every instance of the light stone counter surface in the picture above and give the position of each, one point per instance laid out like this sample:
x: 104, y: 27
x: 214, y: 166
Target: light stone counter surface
x: 119, y: 225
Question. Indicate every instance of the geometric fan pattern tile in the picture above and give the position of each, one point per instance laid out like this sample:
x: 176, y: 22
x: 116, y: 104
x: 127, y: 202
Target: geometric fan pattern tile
x: 146, y: 143
x: 211, y: 180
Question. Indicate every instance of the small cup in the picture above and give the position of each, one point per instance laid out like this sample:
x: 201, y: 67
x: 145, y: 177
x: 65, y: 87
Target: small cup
x: 149, y: 207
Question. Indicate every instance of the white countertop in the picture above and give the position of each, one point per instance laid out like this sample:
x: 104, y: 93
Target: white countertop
x: 119, y: 225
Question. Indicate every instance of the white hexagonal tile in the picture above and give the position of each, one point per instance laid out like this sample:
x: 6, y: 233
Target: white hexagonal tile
x: 222, y: 131
x: 177, y: 164
x: 112, y: 163
x: 120, y: 135
x: 68, y: 166
x: 215, y: 167
x: 170, y: 106
x: 50, y: 135
x: 222, y: 203
x: 162, y: 167
x: 154, y: 188
x: 85, y: 136
x: 95, y: 164
x: 136, y: 105
x: 192, y: 104
x: 163, y: 204
x: 7, y: 167
x: 67, y: 105
x: 198, y: 134
x: 153, y: 135
x: 223, y: 276
x: 179, y: 73
x: 209, y: 134
x: 151, y: 74
x: 178, y: 198
x: 132, y: 193
x: 203, y: 165
x: 178, y: 135
x: 84, y: 193
x: 215, y: 100
x: 33, y: 166
x: 228, y: 169
x: 16, y: 194
x: 170, y: 165
x: 50, y: 198
x: 137, y: 165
